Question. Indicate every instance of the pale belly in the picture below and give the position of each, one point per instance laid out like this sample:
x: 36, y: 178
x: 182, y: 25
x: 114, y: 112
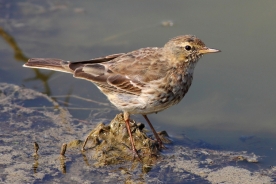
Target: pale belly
x: 151, y: 100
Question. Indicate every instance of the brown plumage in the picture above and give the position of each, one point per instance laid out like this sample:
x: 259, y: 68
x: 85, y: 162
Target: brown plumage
x: 143, y: 81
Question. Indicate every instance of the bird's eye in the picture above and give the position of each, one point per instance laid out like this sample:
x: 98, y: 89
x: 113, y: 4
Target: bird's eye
x: 188, y: 47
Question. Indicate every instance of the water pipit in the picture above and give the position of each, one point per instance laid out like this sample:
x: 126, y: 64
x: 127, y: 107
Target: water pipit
x: 144, y: 81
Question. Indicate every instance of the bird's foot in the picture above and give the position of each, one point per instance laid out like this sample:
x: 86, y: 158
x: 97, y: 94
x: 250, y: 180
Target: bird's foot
x: 160, y: 145
x: 136, y: 155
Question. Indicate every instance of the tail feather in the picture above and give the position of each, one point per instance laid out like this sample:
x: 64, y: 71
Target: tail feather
x: 49, y: 64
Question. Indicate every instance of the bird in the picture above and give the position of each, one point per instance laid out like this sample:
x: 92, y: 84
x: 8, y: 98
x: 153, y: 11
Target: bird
x: 143, y: 81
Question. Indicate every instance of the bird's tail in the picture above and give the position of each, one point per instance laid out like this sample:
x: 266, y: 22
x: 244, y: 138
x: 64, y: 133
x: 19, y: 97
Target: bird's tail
x: 49, y: 64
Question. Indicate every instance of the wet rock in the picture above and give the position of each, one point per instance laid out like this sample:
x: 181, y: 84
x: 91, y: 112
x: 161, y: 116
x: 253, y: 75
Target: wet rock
x: 112, y: 144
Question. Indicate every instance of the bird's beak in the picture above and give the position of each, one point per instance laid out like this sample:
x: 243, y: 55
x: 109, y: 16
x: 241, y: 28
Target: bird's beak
x: 206, y: 50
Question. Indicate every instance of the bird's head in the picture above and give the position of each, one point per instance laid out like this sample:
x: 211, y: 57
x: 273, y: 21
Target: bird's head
x: 188, y: 48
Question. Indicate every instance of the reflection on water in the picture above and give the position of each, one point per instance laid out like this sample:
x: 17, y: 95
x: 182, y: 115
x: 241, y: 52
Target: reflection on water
x: 19, y: 56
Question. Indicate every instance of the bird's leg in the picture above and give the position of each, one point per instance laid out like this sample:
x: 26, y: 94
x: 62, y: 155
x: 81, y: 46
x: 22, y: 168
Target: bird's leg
x: 126, y: 118
x: 160, y: 143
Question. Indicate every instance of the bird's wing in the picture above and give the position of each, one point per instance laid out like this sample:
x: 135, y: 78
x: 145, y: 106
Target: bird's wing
x: 126, y: 73
x: 74, y: 65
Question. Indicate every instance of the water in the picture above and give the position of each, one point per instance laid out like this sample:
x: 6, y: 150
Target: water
x: 232, y: 96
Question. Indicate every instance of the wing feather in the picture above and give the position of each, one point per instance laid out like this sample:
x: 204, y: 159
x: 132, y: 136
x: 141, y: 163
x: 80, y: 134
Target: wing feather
x: 74, y: 65
x: 127, y: 73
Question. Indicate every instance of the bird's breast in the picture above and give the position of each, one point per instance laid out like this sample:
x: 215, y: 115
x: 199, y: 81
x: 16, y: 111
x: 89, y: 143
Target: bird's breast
x: 170, y: 91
